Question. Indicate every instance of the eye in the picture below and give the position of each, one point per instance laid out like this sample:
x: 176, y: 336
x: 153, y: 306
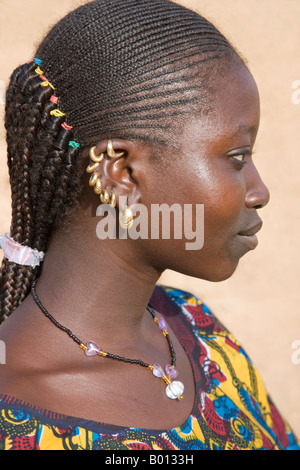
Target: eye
x: 240, y: 158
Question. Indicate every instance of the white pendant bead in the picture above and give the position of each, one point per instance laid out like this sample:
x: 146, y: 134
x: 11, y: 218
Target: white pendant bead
x: 175, y: 390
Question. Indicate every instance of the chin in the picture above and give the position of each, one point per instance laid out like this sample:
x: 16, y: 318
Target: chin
x: 221, y: 274
x: 212, y: 269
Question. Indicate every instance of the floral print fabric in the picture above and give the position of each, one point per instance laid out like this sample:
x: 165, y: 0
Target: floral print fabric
x: 232, y: 410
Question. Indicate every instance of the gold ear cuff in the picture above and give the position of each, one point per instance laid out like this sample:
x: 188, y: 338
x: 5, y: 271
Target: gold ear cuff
x: 126, y: 216
x: 94, y: 180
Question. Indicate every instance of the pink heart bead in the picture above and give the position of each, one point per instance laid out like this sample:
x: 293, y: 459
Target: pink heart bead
x: 92, y: 349
x: 158, y: 371
x: 171, y: 371
x: 162, y: 324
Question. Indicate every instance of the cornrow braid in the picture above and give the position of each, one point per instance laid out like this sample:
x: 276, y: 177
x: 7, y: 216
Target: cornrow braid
x: 39, y: 161
x: 125, y: 47
x: 109, y: 69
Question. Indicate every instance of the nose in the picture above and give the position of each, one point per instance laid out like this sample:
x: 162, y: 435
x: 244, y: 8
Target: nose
x: 257, y: 195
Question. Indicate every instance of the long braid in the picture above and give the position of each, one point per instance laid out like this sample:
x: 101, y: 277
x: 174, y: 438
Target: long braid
x: 39, y: 161
x: 18, y: 171
x: 116, y: 68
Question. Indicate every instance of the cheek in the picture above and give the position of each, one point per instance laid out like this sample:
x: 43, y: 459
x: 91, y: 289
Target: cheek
x: 222, y: 192
x: 223, y: 197
x: 222, y: 215
x: 215, y: 185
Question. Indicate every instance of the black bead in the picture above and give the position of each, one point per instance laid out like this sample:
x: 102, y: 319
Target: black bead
x: 109, y: 355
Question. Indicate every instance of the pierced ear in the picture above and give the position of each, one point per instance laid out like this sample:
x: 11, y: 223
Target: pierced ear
x: 110, y: 171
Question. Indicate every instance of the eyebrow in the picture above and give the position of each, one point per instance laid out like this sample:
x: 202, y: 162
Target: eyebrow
x: 244, y: 129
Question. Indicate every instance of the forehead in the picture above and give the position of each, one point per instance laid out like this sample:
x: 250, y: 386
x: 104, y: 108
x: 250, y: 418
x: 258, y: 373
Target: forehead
x: 236, y: 103
x: 231, y: 110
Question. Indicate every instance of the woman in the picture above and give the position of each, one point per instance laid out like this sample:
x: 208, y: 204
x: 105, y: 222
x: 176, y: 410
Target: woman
x: 140, y: 103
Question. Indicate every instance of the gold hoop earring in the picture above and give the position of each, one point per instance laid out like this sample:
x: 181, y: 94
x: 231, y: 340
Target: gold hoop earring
x: 98, y: 186
x: 126, y: 218
x: 110, y: 150
x: 104, y: 197
x: 93, y: 179
x: 92, y: 167
x: 95, y: 158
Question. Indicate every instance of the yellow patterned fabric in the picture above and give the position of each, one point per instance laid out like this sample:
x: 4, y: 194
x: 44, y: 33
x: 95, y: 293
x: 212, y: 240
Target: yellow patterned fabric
x: 232, y: 410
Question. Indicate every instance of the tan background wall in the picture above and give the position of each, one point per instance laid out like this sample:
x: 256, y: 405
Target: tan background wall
x: 260, y: 303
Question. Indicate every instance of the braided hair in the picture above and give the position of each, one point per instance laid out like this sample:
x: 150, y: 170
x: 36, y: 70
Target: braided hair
x: 109, y: 69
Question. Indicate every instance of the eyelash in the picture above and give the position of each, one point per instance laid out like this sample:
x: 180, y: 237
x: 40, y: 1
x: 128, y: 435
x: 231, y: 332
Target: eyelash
x: 239, y: 162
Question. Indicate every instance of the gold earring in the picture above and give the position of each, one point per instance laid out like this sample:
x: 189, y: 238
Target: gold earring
x: 104, y: 197
x: 98, y: 186
x: 95, y: 180
x: 113, y: 200
x: 126, y: 218
x: 110, y: 150
x: 95, y: 158
x: 92, y: 167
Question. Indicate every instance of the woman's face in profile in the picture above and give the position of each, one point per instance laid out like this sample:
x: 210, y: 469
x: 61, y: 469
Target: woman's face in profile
x: 215, y: 168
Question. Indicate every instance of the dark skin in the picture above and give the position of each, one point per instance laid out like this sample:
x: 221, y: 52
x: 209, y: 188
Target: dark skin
x: 100, y: 288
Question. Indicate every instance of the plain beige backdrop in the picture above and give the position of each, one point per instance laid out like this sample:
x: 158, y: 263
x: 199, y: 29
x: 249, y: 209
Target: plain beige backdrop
x: 260, y: 302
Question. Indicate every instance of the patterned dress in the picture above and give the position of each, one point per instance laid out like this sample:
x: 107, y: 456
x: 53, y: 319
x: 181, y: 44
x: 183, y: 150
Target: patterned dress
x: 232, y: 410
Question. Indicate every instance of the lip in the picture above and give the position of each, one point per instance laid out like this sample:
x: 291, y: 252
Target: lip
x: 251, y: 231
x: 250, y: 241
x: 248, y: 236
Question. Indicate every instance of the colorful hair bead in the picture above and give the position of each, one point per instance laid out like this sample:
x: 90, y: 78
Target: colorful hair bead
x: 54, y: 99
x: 73, y: 144
x: 46, y: 83
x: 57, y: 113
x: 65, y: 126
x: 37, y: 61
x: 39, y: 71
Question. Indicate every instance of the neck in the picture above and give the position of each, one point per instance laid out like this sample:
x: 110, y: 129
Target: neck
x: 101, y: 292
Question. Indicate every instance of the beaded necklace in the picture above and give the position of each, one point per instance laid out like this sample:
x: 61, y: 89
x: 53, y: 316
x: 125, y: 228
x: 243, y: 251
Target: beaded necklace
x: 174, y: 389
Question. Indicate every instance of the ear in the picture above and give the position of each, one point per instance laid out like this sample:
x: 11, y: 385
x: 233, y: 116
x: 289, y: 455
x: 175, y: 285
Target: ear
x: 116, y: 171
